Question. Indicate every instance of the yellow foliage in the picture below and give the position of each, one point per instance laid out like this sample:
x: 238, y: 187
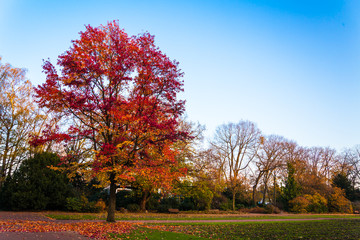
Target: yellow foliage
x: 124, y: 144
x: 101, y: 205
x: 309, y: 203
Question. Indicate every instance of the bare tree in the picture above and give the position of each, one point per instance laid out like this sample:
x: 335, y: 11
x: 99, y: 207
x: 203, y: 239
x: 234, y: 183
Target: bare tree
x: 350, y: 164
x: 322, y: 162
x: 269, y: 158
x: 235, y: 145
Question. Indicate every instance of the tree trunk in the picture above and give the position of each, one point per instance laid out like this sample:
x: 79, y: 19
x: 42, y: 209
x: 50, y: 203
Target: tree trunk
x: 144, y: 200
x: 233, y: 200
x: 274, y: 200
x: 264, y: 196
x: 112, y: 199
x: 4, y: 166
x: 254, y: 187
x: 253, y: 195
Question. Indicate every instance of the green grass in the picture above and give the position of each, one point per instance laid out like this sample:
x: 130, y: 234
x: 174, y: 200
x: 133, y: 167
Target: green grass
x: 228, y: 223
x: 75, y: 216
x: 153, y: 234
x: 82, y: 216
x: 348, y: 227
x: 324, y: 229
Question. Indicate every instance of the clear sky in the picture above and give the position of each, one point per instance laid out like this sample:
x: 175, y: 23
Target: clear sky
x: 292, y: 67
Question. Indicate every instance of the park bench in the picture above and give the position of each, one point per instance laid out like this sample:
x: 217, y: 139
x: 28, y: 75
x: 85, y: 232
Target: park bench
x: 173, y: 210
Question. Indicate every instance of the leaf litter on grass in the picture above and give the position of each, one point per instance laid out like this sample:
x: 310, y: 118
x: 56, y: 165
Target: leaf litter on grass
x: 97, y: 230
x: 325, y: 229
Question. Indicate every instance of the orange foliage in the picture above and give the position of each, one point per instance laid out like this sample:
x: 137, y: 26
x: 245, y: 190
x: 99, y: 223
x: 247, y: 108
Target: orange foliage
x: 97, y: 230
x: 338, y: 202
x: 299, y: 204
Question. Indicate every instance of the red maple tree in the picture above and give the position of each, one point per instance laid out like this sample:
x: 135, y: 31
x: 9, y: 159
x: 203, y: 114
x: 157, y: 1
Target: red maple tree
x: 123, y: 90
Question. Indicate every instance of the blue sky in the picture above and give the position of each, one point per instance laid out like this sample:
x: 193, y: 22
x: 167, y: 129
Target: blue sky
x: 292, y: 67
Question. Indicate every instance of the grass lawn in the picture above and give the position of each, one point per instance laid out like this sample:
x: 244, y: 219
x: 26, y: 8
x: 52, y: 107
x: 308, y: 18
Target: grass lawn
x: 146, y: 233
x: 324, y: 229
x: 189, y: 216
x: 337, y: 226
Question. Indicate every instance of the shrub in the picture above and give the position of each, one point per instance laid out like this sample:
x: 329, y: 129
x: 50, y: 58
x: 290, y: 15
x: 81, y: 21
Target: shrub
x: 309, y: 203
x: 318, y: 203
x: 92, y: 207
x: 125, y: 197
x: 338, y: 202
x: 133, y: 207
x: 218, y: 200
x: 224, y: 206
x: 100, y: 204
x: 202, y: 196
x: 257, y: 210
x: 163, y: 208
x: 239, y: 206
x: 199, y: 192
x: 74, y: 204
x: 187, y: 204
x: 299, y: 205
x: 82, y: 204
x: 272, y: 209
x: 170, y: 202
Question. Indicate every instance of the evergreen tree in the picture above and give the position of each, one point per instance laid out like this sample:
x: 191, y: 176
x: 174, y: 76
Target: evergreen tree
x: 34, y: 186
x: 340, y: 180
x: 291, y: 189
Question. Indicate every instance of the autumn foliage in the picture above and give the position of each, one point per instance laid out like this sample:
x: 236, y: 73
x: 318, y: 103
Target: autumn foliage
x: 123, y: 91
x: 96, y: 230
x: 19, y: 118
x: 113, y: 116
x: 338, y: 202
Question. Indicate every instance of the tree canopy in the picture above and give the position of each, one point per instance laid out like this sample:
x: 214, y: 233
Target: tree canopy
x: 19, y: 117
x: 123, y: 90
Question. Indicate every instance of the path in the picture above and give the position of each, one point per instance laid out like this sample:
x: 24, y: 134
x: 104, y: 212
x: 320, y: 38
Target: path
x: 229, y: 220
x: 33, y: 216
x: 41, y: 236
x: 27, y: 216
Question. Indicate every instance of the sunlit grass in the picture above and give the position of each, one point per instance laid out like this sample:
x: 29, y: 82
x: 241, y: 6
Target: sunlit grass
x: 346, y: 228
x: 146, y: 233
x: 190, y: 216
x: 322, y: 229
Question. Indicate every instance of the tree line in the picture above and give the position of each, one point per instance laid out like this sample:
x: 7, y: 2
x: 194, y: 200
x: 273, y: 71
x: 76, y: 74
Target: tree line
x: 112, y: 116
x: 273, y: 170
